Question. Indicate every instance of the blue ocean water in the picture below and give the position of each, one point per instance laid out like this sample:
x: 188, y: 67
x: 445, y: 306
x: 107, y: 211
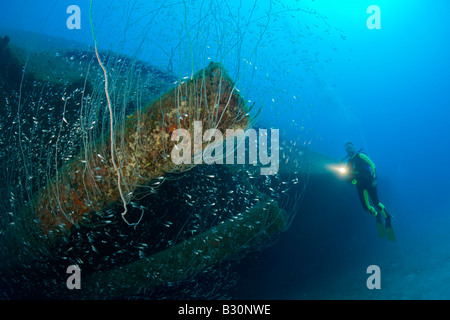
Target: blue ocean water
x: 322, y: 77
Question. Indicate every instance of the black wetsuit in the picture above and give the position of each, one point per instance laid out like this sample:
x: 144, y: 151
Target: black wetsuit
x: 362, y: 173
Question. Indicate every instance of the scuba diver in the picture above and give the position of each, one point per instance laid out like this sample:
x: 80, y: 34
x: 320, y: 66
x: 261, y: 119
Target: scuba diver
x: 361, y: 172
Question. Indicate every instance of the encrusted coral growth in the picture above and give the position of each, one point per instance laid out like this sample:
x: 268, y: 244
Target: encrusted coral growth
x: 89, y: 183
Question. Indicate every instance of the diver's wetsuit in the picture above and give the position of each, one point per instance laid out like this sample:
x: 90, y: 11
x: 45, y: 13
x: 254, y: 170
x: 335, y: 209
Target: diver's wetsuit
x: 362, y: 173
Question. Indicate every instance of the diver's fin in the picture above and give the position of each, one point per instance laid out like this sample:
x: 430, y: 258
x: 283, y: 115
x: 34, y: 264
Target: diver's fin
x: 388, y: 228
x: 380, y: 227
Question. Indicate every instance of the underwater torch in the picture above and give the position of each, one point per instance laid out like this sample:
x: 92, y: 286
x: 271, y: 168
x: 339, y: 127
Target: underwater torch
x: 339, y: 169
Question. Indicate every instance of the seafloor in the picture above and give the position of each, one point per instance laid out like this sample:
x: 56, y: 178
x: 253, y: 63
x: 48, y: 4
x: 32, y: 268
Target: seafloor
x: 332, y: 241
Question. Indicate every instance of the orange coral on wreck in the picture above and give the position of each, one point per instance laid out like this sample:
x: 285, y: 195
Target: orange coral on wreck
x: 88, y: 183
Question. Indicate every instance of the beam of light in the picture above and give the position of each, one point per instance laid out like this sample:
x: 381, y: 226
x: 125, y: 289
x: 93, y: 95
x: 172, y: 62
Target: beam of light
x: 339, y: 169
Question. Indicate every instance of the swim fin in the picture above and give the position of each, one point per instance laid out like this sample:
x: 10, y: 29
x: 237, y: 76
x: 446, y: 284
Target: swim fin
x: 389, y: 231
x: 380, y: 227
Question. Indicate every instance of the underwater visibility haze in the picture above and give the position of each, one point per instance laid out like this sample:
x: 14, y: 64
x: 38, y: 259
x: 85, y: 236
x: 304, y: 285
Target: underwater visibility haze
x: 199, y: 149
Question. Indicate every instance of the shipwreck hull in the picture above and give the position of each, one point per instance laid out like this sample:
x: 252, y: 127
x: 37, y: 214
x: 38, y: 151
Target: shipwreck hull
x: 199, y: 218
x: 89, y: 183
